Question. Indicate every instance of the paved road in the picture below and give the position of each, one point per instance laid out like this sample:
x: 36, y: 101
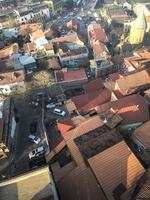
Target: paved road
x: 23, y: 146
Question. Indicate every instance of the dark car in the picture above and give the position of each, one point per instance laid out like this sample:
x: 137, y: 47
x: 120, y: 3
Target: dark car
x: 33, y: 127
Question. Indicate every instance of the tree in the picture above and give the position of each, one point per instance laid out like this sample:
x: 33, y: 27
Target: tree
x: 42, y: 63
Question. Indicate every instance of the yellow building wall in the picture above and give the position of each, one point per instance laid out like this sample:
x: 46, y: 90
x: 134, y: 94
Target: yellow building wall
x: 136, y: 36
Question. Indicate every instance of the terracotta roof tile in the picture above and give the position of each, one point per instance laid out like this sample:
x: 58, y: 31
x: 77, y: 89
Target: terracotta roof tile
x: 143, y: 134
x: 130, y: 83
x: 81, y: 184
x: 132, y: 109
x: 117, y: 180
x: 93, y: 85
x: 71, y: 75
x: 64, y: 126
x: 96, y: 33
x: 8, y: 51
x: 88, y: 101
x: 53, y: 64
x: 12, y: 77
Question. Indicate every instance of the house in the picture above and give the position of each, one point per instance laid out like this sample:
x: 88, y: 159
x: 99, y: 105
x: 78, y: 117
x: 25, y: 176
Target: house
x: 18, y: 187
x: 11, y: 80
x: 7, y: 127
x: 38, y: 38
x: 100, y: 51
x: 102, y: 67
x: 86, y: 102
x: 30, y: 48
x: 141, y: 136
x: 28, y: 62
x: 9, y: 52
x: 70, y: 78
x: 25, y: 29
x: 81, y: 148
x: 74, y: 170
x: 117, y: 181
x: 96, y: 33
x: 32, y: 14
x: 53, y: 64
x: 71, y: 50
x: 116, y: 15
x: 136, y: 82
x: 132, y: 109
x: 48, y: 48
x: 4, y: 22
x: 139, y: 60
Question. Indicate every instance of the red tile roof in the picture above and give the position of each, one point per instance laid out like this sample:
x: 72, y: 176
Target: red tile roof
x: 64, y: 126
x: 93, y: 85
x: 80, y: 184
x: 117, y: 170
x: 89, y: 101
x: 132, y: 82
x: 114, y: 76
x: 143, y: 134
x: 71, y: 75
x: 97, y: 33
x: 53, y: 64
x: 132, y: 109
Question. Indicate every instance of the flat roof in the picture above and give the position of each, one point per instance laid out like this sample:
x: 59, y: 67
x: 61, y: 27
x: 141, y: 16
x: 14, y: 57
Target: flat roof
x: 24, y: 60
x: 33, y: 185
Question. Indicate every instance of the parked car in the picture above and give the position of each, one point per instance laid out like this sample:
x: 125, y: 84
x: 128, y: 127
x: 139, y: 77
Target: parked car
x: 59, y: 112
x: 37, y: 152
x: 33, y: 127
x: 34, y: 139
x: 50, y: 105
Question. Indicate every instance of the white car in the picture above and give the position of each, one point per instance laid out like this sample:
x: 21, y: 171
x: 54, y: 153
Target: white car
x: 37, y: 152
x: 50, y: 105
x: 59, y: 112
x: 34, y: 139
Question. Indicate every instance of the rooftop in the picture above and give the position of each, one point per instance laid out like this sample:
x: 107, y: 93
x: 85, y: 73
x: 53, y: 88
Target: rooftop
x: 71, y: 75
x: 136, y: 81
x: 25, y: 60
x: 96, y: 33
x: 8, y: 51
x: 90, y: 100
x: 53, y: 64
x: 37, y: 34
x: 97, y: 140
x: 27, y: 28
x: 132, y: 109
x: 33, y: 185
x: 143, y: 134
x: 117, y: 180
x: 139, y: 60
x: 11, y: 77
x: 94, y: 85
